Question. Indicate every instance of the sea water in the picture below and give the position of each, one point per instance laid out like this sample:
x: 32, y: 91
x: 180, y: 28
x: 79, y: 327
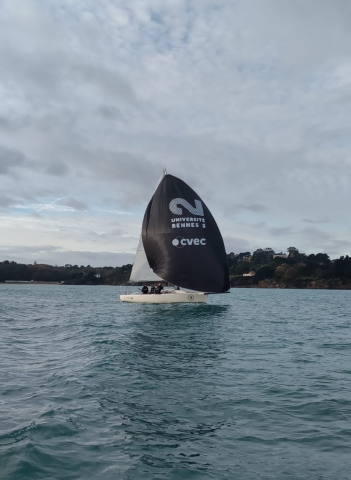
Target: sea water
x: 254, y: 385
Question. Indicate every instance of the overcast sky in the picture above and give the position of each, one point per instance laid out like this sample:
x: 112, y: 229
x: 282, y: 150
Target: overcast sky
x: 247, y: 101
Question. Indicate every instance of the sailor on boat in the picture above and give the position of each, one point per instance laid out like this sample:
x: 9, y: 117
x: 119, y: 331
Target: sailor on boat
x: 159, y: 289
x: 145, y: 289
x: 153, y: 289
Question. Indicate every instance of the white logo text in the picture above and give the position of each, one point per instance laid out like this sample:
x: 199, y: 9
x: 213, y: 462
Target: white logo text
x: 181, y: 242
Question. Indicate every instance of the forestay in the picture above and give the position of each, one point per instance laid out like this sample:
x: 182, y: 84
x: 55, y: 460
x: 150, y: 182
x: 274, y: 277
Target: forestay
x: 182, y: 241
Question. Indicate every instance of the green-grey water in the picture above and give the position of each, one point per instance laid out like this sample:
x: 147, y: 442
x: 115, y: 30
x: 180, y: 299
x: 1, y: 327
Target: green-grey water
x: 254, y: 385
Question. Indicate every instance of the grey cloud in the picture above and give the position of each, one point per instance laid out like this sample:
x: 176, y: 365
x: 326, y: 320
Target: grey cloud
x: 13, y: 249
x: 54, y: 66
x: 315, y: 234
x: 306, y: 220
x: 14, y: 123
x: 4, y: 123
x: 252, y: 207
x: 236, y: 245
x: 109, y: 237
x: 342, y: 243
x: 136, y: 175
x: 126, y: 166
x: 53, y: 255
x: 114, y: 223
x: 277, y: 232
x: 75, y: 204
x: 337, y: 247
x: 259, y: 225
x: 7, y: 201
x: 116, y: 231
x: 31, y: 191
x: 110, y: 112
x: 10, y: 159
x: 114, y: 95
x: 58, y: 169
x: 95, y: 259
x: 21, y: 195
x: 254, y: 225
x: 108, y: 80
x: 337, y: 244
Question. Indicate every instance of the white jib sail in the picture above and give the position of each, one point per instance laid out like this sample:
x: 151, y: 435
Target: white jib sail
x: 141, y: 271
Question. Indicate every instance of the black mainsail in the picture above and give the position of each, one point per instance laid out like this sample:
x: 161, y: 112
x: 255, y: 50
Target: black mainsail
x: 182, y: 241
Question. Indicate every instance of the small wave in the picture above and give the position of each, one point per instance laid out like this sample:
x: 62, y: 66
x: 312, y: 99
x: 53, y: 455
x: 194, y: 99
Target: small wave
x: 18, y: 432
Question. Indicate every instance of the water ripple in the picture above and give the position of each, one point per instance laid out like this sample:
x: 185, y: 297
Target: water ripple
x: 255, y: 385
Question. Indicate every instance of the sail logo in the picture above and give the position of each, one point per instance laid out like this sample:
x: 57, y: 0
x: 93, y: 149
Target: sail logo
x: 181, y: 242
x: 197, y: 210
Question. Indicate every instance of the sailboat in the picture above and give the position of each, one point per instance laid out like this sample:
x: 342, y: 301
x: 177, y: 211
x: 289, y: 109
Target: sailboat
x: 180, y: 244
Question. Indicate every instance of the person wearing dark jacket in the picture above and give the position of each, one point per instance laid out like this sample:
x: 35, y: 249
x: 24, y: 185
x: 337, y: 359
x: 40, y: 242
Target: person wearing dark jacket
x: 153, y: 289
x: 159, y: 289
x: 145, y: 290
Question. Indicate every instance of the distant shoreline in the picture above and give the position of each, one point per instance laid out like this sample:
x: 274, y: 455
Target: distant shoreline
x: 262, y: 269
x: 257, y: 286
x: 30, y: 283
x: 297, y: 284
x: 291, y: 287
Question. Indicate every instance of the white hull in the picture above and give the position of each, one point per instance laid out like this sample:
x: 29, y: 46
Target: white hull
x: 175, y: 296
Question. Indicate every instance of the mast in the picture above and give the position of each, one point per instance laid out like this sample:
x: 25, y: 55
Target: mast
x: 141, y: 271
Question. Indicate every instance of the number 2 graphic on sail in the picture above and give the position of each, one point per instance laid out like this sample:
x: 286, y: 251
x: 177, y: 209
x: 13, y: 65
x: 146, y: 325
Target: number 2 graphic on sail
x: 198, y: 210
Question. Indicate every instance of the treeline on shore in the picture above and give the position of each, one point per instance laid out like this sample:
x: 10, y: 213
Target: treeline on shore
x: 263, y: 268
x: 68, y: 274
x: 268, y: 269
